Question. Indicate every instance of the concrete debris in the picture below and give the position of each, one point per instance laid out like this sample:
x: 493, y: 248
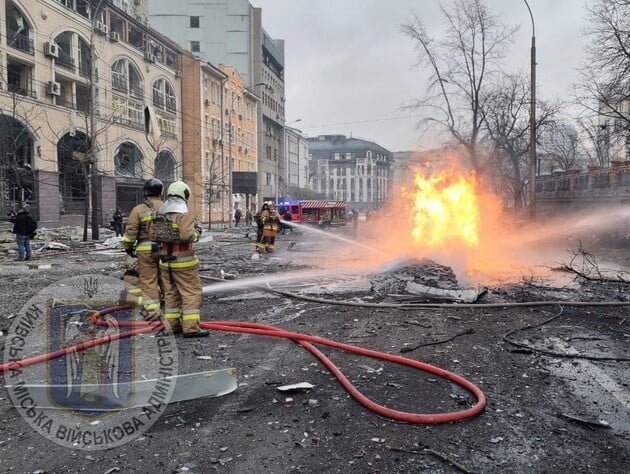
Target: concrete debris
x: 296, y: 387
x: 460, y: 296
x: 395, y: 278
x: 53, y: 246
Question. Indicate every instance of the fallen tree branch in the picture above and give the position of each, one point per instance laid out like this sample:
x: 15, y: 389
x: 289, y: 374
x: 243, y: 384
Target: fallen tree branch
x: 410, y: 349
x: 582, y: 421
x: 433, y: 452
x: 506, y: 338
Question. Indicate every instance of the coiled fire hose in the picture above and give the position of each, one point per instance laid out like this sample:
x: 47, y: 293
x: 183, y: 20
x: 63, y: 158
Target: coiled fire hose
x: 306, y: 341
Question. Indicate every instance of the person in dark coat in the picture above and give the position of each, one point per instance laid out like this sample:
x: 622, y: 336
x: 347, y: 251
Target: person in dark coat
x: 24, y: 228
x: 118, y: 222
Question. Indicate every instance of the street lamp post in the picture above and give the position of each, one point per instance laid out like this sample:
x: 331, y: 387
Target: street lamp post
x: 532, y: 122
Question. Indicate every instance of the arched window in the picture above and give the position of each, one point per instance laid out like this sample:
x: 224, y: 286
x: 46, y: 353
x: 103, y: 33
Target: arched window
x: 128, y: 96
x: 128, y: 161
x: 164, y: 96
x: 19, y: 31
x: 165, y: 165
x: 126, y: 79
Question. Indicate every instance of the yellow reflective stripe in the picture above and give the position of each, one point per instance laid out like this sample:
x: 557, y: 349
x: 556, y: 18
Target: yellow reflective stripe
x: 146, y: 218
x: 185, y: 264
x: 172, y: 315
x: 148, y: 306
x: 174, y: 225
x: 191, y: 317
x: 143, y: 248
x: 134, y: 290
x: 128, y: 240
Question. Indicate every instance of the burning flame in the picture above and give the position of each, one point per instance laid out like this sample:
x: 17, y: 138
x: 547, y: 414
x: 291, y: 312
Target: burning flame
x: 444, y: 209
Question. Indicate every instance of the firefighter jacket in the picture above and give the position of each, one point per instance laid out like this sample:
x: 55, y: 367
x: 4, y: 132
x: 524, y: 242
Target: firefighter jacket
x: 138, y: 225
x: 179, y: 253
x: 271, y: 220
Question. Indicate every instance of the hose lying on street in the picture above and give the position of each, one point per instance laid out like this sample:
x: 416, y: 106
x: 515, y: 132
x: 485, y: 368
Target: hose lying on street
x: 306, y: 341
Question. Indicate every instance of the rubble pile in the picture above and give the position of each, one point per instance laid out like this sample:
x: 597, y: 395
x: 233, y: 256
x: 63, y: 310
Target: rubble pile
x: 425, y: 272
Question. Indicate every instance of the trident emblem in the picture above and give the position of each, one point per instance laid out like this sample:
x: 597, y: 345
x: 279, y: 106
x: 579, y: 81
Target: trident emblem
x: 90, y: 286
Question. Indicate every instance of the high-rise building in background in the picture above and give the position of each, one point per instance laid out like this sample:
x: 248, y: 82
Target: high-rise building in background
x: 350, y: 169
x: 230, y: 33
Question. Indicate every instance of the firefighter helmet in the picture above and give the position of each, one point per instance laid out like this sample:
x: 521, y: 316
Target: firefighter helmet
x: 179, y: 189
x: 153, y: 187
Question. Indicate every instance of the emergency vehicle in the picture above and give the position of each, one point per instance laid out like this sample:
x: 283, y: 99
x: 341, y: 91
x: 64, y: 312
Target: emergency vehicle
x: 322, y: 213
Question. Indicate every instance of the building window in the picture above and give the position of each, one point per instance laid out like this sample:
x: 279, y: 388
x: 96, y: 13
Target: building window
x: 194, y: 46
x: 194, y: 22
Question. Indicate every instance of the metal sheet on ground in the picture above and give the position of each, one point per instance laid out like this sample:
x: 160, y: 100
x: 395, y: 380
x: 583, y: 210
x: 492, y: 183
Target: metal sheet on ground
x: 213, y: 383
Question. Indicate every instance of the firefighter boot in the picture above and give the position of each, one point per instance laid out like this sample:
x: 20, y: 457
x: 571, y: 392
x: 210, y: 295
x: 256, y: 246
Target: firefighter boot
x: 174, y: 321
x: 191, y: 328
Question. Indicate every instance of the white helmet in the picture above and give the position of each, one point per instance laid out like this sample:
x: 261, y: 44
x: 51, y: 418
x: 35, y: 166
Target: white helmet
x: 179, y: 189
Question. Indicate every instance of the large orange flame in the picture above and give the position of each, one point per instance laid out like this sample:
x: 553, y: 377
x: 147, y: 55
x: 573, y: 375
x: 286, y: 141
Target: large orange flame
x: 444, y: 209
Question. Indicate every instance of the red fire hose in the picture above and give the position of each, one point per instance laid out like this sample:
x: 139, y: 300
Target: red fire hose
x: 305, y: 341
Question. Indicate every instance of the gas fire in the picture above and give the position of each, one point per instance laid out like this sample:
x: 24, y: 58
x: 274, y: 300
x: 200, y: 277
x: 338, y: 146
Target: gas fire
x: 444, y: 209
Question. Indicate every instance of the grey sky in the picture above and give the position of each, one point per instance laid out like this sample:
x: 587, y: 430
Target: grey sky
x: 349, y: 68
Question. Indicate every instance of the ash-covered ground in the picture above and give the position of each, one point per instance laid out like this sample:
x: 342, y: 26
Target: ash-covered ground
x: 555, y: 375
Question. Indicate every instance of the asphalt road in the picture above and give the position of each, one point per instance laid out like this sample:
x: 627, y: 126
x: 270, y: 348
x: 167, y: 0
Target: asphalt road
x: 552, y: 404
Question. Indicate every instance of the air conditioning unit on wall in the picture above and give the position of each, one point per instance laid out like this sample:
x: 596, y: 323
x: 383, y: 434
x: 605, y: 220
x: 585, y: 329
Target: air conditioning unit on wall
x: 114, y: 36
x: 53, y: 88
x: 102, y: 27
x: 51, y: 50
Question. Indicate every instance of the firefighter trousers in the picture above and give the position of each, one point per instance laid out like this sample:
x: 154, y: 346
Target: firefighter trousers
x: 149, y: 274
x: 182, y: 295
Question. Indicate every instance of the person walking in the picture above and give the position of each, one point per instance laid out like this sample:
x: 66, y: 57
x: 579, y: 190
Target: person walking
x: 137, y: 243
x: 24, y: 227
x: 237, y: 216
x: 175, y: 230
x: 117, y: 219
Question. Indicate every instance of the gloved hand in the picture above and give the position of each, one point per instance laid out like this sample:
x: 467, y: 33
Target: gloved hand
x: 130, y: 251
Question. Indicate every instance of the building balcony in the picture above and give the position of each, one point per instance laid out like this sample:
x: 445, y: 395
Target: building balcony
x: 26, y: 92
x: 21, y: 41
x: 65, y: 61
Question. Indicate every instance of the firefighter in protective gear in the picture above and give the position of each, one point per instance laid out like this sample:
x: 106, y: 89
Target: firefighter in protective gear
x: 260, y: 225
x: 132, y: 292
x: 271, y: 222
x: 137, y: 243
x: 179, y: 267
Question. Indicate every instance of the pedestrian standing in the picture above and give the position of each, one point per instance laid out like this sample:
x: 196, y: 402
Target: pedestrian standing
x: 175, y: 230
x: 138, y: 244
x: 24, y: 227
x: 118, y: 222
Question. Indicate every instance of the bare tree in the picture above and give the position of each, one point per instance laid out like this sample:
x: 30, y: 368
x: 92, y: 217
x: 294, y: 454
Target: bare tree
x: 606, y: 68
x: 594, y: 140
x: 507, y: 124
x: 215, y: 185
x: 560, y: 146
x: 462, y: 63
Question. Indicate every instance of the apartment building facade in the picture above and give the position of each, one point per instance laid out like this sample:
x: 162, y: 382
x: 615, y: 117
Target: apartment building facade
x: 350, y: 169
x: 219, y: 137
x: 230, y: 32
x: 79, y: 78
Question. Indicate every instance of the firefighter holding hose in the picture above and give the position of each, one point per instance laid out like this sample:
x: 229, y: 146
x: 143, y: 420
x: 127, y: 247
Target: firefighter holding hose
x: 137, y: 243
x: 271, y: 222
x: 175, y: 230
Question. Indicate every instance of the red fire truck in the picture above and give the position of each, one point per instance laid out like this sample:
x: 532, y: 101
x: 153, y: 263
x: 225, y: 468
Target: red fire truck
x: 322, y: 213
